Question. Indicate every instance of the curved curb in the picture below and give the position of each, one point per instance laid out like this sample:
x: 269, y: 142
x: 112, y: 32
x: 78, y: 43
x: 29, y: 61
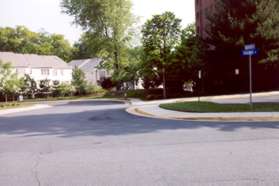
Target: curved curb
x: 244, y: 117
x: 81, y: 100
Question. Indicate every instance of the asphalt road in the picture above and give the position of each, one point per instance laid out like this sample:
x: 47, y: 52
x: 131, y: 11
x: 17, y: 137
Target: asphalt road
x: 98, y: 143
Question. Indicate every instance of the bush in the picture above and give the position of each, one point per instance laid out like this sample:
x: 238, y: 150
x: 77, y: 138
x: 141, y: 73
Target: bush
x: 65, y: 90
x: 93, y: 89
x: 107, y: 84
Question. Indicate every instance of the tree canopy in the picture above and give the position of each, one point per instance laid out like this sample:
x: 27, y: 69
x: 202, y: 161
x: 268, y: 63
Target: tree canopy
x: 106, y: 24
x: 160, y: 37
x: 22, y: 40
x: 232, y: 25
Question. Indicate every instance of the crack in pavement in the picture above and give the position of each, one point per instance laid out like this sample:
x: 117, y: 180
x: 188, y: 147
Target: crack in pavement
x: 35, y: 171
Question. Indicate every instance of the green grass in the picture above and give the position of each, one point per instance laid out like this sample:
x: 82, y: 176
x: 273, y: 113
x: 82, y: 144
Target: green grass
x: 11, y: 105
x: 206, y: 107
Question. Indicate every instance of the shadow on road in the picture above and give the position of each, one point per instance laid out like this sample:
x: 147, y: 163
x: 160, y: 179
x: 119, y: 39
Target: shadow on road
x: 104, y: 122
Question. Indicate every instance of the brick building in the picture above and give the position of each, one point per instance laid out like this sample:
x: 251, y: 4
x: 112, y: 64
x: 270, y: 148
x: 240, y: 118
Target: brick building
x: 203, y: 8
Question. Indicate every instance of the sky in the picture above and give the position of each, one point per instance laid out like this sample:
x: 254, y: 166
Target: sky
x: 46, y: 15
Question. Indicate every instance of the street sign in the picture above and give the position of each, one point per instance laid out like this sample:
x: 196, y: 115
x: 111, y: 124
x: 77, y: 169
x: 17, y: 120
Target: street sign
x: 250, y: 47
x: 250, y: 52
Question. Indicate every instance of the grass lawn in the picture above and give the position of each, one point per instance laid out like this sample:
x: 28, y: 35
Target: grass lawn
x: 11, y: 105
x: 206, y: 107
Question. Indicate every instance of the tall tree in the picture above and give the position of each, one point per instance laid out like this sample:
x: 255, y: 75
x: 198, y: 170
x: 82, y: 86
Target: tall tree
x: 22, y: 40
x: 234, y: 24
x: 79, y: 81
x: 160, y: 37
x: 106, y: 24
x: 188, y: 59
x: 10, y: 84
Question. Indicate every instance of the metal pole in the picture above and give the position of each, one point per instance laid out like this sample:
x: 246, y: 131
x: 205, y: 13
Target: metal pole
x: 164, y: 83
x: 250, y: 81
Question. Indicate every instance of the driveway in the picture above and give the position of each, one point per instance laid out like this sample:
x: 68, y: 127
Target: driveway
x: 98, y: 143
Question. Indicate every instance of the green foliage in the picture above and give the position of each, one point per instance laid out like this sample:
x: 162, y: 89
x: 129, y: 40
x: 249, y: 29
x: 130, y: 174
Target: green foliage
x: 45, y: 87
x: 235, y: 24
x: 79, y: 81
x: 160, y: 37
x: 22, y: 40
x: 106, y: 23
x: 30, y: 86
x: 93, y: 89
x: 10, y: 84
x: 129, y: 71
x: 65, y: 90
x: 188, y: 57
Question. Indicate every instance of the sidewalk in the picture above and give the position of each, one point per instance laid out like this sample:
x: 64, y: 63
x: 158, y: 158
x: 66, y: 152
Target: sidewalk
x: 152, y: 110
x: 23, y: 109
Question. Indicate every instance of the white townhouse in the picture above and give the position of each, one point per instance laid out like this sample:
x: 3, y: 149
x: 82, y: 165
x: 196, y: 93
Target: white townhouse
x: 39, y: 67
x: 91, y: 68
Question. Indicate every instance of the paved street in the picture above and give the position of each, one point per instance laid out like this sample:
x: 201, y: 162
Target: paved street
x: 98, y: 143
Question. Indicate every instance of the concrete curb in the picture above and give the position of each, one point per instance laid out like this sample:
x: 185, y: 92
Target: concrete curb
x: 206, y: 98
x: 24, y: 109
x: 80, y: 100
x: 222, y: 117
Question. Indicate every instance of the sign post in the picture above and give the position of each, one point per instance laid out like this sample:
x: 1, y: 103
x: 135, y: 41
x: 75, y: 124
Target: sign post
x: 200, y: 78
x: 250, y: 50
x: 251, y: 81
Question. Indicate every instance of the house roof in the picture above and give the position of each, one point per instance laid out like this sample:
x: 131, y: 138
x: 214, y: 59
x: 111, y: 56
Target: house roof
x: 86, y: 64
x: 33, y: 60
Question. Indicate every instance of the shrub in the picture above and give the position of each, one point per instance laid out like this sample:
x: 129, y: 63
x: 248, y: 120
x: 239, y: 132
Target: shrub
x: 65, y: 90
x: 93, y: 89
x: 107, y: 83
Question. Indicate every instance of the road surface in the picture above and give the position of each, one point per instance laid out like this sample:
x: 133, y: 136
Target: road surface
x: 98, y: 143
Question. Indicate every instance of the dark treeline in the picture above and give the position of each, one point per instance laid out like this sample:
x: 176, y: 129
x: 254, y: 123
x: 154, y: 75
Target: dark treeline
x: 234, y: 24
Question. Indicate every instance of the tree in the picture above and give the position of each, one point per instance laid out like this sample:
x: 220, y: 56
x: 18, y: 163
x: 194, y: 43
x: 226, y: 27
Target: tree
x: 79, y: 81
x: 30, y: 86
x: 65, y: 90
x: 10, y: 84
x: 45, y: 87
x: 187, y: 59
x: 106, y: 24
x: 129, y: 72
x: 22, y: 40
x: 234, y: 24
x: 160, y: 37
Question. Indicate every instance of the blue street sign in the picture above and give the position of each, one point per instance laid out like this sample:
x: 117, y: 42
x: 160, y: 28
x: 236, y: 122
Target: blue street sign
x: 250, y: 52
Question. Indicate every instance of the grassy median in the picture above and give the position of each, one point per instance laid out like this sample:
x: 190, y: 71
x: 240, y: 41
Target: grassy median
x: 207, y: 107
x: 11, y: 105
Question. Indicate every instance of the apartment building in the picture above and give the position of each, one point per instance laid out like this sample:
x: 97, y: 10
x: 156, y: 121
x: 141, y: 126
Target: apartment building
x: 39, y: 67
x: 203, y: 8
x: 91, y: 68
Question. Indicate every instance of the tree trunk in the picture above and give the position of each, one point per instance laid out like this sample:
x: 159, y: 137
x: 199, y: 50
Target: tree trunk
x: 116, y: 68
x: 6, y: 98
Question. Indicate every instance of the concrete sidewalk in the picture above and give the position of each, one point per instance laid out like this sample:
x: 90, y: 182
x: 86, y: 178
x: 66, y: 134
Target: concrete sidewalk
x: 23, y: 109
x: 151, y: 109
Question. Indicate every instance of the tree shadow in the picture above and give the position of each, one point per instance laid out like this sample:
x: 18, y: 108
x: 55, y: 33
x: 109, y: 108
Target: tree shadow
x: 105, y: 122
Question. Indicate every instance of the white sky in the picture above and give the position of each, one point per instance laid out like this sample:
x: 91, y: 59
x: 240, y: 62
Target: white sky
x: 46, y: 14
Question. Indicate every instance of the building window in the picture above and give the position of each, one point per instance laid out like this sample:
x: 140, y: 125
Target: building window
x: 45, y: 71
x: 54, y: 72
